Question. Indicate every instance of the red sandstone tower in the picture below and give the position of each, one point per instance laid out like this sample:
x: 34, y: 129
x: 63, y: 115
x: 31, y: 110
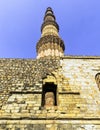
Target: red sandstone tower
x: 50, y: 44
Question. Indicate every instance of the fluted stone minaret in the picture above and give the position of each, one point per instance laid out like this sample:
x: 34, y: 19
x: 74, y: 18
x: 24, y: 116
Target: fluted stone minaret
x: 50, y: 44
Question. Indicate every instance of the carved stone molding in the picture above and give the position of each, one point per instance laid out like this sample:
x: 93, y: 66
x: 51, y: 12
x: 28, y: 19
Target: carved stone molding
x: 50, y: 23
x: 50, y: 39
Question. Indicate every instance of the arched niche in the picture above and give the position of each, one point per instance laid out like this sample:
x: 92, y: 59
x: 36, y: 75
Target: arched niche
x: 49, y: 94
x: 97, y: 78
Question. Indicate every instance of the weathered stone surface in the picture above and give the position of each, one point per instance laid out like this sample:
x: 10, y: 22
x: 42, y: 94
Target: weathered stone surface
x: 78, y: 95
x: 23, y: 75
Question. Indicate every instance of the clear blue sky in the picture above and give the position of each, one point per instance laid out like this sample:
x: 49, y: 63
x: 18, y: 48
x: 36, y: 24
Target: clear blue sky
x: 20, y: 22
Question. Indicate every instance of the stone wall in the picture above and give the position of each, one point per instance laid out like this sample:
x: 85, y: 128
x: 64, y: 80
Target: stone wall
x: 78, y: 96
x: 80, y: 74
x: 23, y: 75
x: 49, y: 125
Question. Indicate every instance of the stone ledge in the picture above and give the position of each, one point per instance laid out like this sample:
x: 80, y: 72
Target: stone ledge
x: 73, y: 93
x: 80, y: 57
x: 54, y: 118
x: 25, y: 92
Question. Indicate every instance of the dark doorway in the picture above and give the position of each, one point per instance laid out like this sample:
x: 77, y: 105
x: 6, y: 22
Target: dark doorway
x: 49, y: 94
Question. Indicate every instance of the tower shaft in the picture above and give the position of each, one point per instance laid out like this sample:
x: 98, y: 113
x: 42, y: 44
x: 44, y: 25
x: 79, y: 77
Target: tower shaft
x: 50, y: 44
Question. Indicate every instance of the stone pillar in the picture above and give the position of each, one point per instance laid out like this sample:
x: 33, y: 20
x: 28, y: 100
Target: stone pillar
x: 49, y: 99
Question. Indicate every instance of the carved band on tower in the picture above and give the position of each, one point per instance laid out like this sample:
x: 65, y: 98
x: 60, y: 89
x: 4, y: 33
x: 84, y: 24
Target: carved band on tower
x: 50, y: 44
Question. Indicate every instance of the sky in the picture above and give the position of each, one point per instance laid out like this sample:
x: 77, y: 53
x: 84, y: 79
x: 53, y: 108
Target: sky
x: 20, y: 23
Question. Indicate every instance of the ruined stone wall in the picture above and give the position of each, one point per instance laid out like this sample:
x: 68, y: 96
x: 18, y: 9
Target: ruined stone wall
x: 23, y: 75
x: 80, y: 74
x: 78, y: 96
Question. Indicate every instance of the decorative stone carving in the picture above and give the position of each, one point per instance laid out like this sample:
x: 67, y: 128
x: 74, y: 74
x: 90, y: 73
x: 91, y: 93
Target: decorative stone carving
x: 50, y: 39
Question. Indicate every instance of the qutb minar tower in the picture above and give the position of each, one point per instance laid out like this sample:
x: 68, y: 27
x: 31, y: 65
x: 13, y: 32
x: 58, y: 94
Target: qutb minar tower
x: 53, y: 91
x: 50, y: 44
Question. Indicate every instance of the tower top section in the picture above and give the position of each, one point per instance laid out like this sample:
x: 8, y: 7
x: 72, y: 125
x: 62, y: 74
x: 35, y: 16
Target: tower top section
x: 50, y: 44
x: 49, y: 19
